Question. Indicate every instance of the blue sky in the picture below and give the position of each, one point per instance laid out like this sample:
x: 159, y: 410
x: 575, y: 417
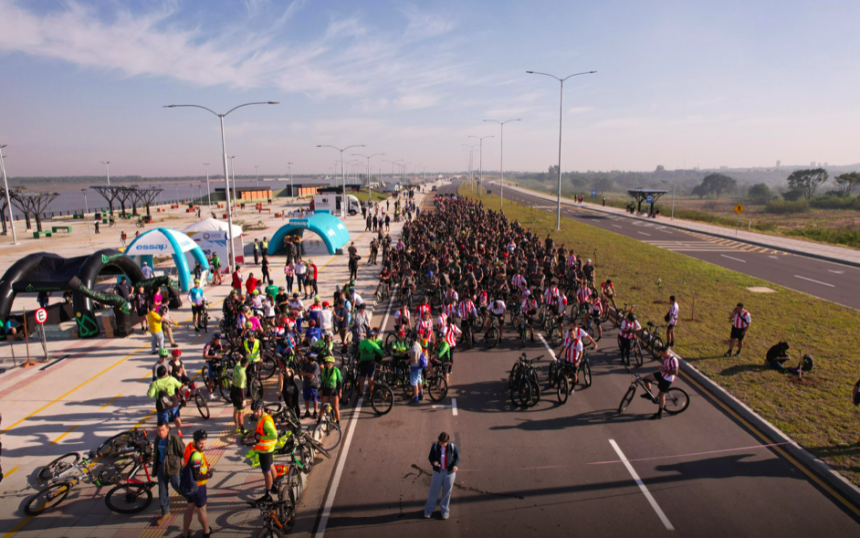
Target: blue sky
x: 678, y: 83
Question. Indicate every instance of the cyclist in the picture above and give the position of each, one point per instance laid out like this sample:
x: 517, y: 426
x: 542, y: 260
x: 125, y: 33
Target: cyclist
x: 322, y: 347
x: 664, y: 378
x: 251, y: 350
x: 369, y: 353
x: 312, y: 334
x: 451, y: 295
x: 266, y: 435
x: 212, y: 355
x: 608, y: 290
x: 445, y: 351
x: 400, y: 345
x: 596, y: 314
x: 741, y: 321
x: 497, y: 311
x: 572, y: 353
x: 332, y: 383
x: 629, y: 327
x: 671, y: 320
x: 423, y: 308
x: 198, y: 304
x: 201, y: 472
x: 163, y: 390
x: 583, y: 295
x: 177, y: 367
x: 529, y: 308
x: 237, y: 393
x: 425, y: 325
x: 384, y: 280
x: 467, y: 313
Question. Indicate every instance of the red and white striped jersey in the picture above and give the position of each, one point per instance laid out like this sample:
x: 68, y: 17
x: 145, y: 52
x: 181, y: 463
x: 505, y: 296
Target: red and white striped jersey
x: 452, y: 295
x: 483, y: 299
x: 421, y: 310
x: 442, y: 320
x: 561, y: 305
x: 571, y: 261
x: 551, y: 295
x: 742, y: 320
x: 629, y: 328
x: 401, y: 316
x: 597, y: 307
x: 451, y: 334
x: 583, y: 294
x: 575, y: 334
x: 466, y: 309
x: 425, y: 325
x: 607, y: 289
x: 518, y: 281
x: 673, y: 314
x: 573, y: 351
x: 669, y: 364
x: 450, y: 310
x: 529, y: 304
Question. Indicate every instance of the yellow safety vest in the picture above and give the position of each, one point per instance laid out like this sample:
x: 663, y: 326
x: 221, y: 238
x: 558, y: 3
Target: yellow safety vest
x: 266, y: 442
x: 252, y: 354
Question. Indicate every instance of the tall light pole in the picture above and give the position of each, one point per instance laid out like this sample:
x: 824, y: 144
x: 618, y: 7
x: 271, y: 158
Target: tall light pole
x: 292, y: 192
x: 86, y: 210
x: 208, y: 190
x: 342, y: 174
x: 107, y: 170
x: 471, y: 178
x: 560, y: 120
x: 502, y: 158
x: 233, y: 168
x: 392, y: 167
x: 257, y: 172
x: 480, y: 159
x: 9, y: 198
x: 232, y: 261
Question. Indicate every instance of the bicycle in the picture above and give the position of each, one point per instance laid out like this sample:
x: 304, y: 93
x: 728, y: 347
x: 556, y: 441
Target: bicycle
x: 468, y: 332
x: 278, y: 516
x: 192, y: 391
x: 63, y: 473
x: 553, y: 331
x: 131, y: 495
x: 493, y: 335
x: 560, y: 373
x: 523, y: 382
x: 677, y: 399
x: 382, y: 399
x: 651, y: 338
x: 326, y: 431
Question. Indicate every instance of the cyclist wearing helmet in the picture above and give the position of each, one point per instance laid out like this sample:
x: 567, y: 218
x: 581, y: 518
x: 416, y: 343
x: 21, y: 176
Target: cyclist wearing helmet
x: 266, y: 435
x: 322, y: 347
x: 163, y: 360
x: 164, y: 391
x: 198, y: 303
x: 332, y: 383
x: 212, y: 355
x: 312, y: 334
x: 629, y: 327
x: 201, y: 473
x: 369, y: 353
x: 400, y: 345
x: 177, y: 367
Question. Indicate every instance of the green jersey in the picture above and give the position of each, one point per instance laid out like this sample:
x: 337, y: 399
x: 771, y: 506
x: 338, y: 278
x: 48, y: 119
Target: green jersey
x: 369, y: 350
x: 331, y: 377
x: 240, y: 378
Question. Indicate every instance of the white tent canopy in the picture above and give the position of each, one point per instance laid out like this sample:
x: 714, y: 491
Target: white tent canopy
x: 211, y: 235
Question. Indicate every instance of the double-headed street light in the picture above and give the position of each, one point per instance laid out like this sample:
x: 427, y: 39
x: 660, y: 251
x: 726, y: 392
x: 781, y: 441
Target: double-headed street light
x: 107, y: 170
x: 471, y: 150
x: 342, y: 174
x: 292, y: 193
x: 480, y: 159
x: 502, y: 158
x: 232, y: 261
x: 8, y: 198
x: 560, y: 119
x: 368, y: 157
x: 208, y: 190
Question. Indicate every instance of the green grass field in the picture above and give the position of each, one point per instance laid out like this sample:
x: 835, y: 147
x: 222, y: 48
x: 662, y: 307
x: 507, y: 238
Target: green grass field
x: 377, y: 196
x: 816, y: 411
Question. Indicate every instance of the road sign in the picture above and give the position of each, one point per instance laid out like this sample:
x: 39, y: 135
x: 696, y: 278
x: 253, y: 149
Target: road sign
x: 649, y: 199
x: 739, y: 209
x: 594, y: 194
x: 41, y: 316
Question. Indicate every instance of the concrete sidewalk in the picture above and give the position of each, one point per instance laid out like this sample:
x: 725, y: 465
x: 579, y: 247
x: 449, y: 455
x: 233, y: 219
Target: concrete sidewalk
x: 832, y: 253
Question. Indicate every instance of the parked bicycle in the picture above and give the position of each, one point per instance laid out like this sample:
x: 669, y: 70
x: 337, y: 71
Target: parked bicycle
x: 651, y: 338
x: 131, y: 495
x: 523, y: 382
x: 327, y: 431
x: 560, y: 373
x: 278, y: 517
x: 62, y: 475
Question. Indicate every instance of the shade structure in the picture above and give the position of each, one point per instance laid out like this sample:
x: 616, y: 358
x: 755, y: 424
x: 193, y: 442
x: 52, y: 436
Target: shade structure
x: 212, y: 236
x: 168, y: 242
x: 331, y: 230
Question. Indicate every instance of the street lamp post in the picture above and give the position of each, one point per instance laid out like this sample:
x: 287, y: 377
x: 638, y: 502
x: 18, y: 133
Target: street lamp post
x: 257, y: 172
x: 8, y: 198
x: 107, y: 170
x: 560, y: 119
x: 471, y: 149
x: 480, y: 159
x: 208, y: 190
x: 292, y: 192
x: 232, y: 261
x: 342, y: 174
x: 368, y: 157
x: 233, y: 168
x: 86, y: 210
x: 502, y: 158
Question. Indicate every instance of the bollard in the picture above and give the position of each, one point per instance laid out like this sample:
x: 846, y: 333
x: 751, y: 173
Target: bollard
x: 27, y: 341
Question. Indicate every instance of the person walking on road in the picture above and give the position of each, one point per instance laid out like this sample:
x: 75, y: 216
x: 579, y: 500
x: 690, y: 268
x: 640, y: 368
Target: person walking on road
x: 672, y: 320
x: 353, y: 261
x: 200, y: 473
x: 168, y: 451
x: 741, y: 321
x: 256, y: 252
x: 153, y: 319
x: 444, y: 457
x: 163, y: 390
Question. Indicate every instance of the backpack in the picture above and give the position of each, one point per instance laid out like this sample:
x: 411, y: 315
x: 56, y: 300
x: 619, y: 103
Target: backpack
x: 422, y: 361
x: 165, y: 401
x: 187, y: 484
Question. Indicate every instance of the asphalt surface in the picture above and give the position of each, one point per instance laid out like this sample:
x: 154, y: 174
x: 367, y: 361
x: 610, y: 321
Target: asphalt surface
x: 823, y: 279
x: 553, y: 470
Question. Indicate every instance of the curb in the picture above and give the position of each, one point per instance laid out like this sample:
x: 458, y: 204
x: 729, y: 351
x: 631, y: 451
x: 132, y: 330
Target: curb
x: 795, y: 251
x: 832, y: 477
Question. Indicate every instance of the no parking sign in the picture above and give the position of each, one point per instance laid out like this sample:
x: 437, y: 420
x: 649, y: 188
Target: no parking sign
x: 41, y: 316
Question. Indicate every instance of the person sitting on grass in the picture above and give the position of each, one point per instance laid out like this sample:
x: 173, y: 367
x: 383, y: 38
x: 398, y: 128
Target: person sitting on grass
x: 777, y: 356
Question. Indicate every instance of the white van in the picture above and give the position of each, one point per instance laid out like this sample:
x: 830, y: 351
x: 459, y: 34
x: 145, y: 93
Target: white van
x: 332, y: 202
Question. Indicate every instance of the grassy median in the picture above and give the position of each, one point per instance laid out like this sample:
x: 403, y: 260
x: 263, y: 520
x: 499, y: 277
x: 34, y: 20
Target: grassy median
x: 816, y: 411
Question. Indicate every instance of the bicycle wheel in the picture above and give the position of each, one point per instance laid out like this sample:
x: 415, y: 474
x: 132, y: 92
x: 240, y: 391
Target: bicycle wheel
x: 328, y: 434
x: 128, y: 498
x: 585, y: 374
x: 628, y: 397
x: 59, y: 465
x: 256, y: 387
x: 523, y: 393
x: 534, y: 389
x: 657, y: 347
x: 268, y: 367
x: 110, y: 447
x: 554, y: 336
x: 492, y: 338
x: 295, y: 485
x: 438, y: 388
x: 563, y: 390
x: 677, y: 400
x: 270, y: 532
x: 637, y: 353
x: 551, y: 374
x: 47, y: 497
x: 305, y: 457
x: 113, y: 472
x: 389, y: 343
x: 202, y: 406
x: 513, y: 375
x: 524, y: 336
x: 347, y: 392
x: 225, y: 385
x: 383, y: 399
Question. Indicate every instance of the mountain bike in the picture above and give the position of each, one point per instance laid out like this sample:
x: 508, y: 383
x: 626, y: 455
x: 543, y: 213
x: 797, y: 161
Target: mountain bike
x: 278, y: 517
x: 63, y: 474
x: 677, y: 399
x: 553, y: 331
x: 192, y: 392
x: 382, y: 398
x: 350, y: 380
x: 523, y: 382
x: 467, y: 327
x: 651, y: 338
x: 132, y: 495
x: 560, y: 373
x: 493, y: 334
x: 636, y: 359
x: 326, y: 431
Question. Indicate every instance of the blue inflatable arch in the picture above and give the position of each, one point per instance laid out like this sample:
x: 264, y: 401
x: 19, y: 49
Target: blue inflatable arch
x: 174, y: 238
x: 331, y: 230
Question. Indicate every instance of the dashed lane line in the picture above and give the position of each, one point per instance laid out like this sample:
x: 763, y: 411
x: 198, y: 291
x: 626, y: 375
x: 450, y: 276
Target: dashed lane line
x: 814, y: 281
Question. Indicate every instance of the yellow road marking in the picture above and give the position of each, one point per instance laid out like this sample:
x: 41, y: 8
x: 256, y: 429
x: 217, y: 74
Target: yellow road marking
x: 70, y: 430
x: 111, y: 401
x: 777, y: 449
x: 5, y: 475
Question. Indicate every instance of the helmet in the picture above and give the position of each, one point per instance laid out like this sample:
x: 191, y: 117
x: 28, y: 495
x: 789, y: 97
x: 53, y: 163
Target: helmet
x: 373, y: 332
x: 588, y: 260
x: 257, y: 405
x: 248, y: 324
x: 216, y: 336
x: 197, y: 281
x: 163, y: 352
x: 312, y: 323
x: 631, y: 316
x: 430, y: 273
x: 401, y: 333
x: 329, y: 358
x: 246, y: 308
x: 200, y: 435
x: 176, y: 352
x: 255, y: 292
x: 282, y: 320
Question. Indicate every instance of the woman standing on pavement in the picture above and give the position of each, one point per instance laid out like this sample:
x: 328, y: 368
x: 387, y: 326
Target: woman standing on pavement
x: 301, y: 272
x: 141, y: 302
x: 444, y: 457
x: 289, y: 274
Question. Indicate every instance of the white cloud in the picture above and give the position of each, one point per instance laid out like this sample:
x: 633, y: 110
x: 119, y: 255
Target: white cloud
x: 348, y: 58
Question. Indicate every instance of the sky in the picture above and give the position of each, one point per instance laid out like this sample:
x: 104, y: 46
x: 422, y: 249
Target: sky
x: 678, y: 84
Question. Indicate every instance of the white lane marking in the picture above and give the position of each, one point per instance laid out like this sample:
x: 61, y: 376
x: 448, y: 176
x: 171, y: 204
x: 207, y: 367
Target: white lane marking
x: 454, y: 406
x: 731, y: 258
x: 774, y: 257
x: 664, y: 230
x: 837, y: 272
x: 617, y: 226
x: 642, y: 487
x: 338, y: 472
x: 551, y: 352
x: 816, y: 281
x: 643, y: 233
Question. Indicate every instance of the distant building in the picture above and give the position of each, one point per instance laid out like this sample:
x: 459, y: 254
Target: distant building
x: 825, y: 164
x: 812, y: 164
x: 778, y: 163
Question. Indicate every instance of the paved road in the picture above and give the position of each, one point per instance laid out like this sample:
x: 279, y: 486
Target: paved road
x: 826, y: 280
x: 554, y: 470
